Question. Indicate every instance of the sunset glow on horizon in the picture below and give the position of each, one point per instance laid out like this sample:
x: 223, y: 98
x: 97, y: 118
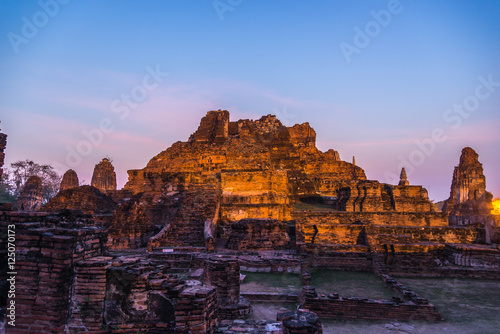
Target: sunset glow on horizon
x: 496, y: 207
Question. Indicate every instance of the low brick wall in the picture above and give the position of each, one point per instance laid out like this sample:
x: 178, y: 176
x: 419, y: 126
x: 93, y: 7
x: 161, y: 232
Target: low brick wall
x: 380, y: 235
x: 270, y: 263
x: 421, y: 219
x: 477, y: 256
x: 347, y: 234
x: 413, y: 257
x: 449, y: 272
x: 337, y: 257
x: 258, y: 234
x: 271, y: 297
x: 335, y: 307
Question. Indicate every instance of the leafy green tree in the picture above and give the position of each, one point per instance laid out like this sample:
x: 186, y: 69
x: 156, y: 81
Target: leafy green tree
x: 19, y: 172
x: 6, y: 191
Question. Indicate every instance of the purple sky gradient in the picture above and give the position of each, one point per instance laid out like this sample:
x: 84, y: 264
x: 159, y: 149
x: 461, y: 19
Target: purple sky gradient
x: 280, y: 57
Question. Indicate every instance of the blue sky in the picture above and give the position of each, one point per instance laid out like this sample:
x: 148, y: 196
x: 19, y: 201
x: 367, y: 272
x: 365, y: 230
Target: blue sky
x: 65, y: 67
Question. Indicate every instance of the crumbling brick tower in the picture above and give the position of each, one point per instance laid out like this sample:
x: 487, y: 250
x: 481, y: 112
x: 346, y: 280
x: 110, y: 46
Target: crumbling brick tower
x: 31, y: 196
x: 469, y: 201
x: 69, y: 180
x: 104, y: 176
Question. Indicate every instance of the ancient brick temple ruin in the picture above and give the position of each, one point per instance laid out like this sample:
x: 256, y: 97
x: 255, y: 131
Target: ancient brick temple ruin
x: 166, y: 254
x: 69, y: 180
x: 31, y: 196
x: 104, y: 177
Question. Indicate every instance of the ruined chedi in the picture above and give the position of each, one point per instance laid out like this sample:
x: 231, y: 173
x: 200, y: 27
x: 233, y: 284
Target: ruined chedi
x: 468, y: 195
x: 403, y: 178
x: 30, y: 198
x: 104, y: 177
x: 69, y: 180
